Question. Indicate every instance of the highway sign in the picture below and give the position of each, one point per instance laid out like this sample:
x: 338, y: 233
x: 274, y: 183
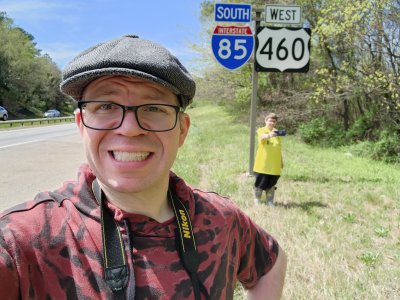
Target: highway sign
x: 229, y: 12
x: 288, y: 14
x: 232, y: 45
x: 282, y: 49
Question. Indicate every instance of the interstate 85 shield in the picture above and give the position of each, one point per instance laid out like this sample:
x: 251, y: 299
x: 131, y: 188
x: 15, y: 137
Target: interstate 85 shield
x: 232, y: 45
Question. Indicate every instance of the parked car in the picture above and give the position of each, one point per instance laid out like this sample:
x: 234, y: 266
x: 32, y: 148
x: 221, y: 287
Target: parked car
x: 52, y: 113
x: 3, y: 114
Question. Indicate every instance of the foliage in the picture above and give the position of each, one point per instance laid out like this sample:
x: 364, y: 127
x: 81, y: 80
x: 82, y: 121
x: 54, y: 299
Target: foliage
x: 227, y: 87
x: 359, y: 40
x: 321, y: 131
x: 368, y: 56
x: 388, y: 147
x: 363, y: 128
x: 29, y: 81
x: 361, y: 149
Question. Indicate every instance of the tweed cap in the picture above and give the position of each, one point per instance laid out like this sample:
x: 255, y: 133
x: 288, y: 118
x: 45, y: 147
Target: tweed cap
x: 128, y: 55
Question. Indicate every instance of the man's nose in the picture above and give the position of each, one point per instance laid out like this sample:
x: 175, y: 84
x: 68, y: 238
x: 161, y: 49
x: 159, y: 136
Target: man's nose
x: 130, y: 125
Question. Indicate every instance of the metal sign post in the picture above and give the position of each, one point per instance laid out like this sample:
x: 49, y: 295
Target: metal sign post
x: 253, y: 108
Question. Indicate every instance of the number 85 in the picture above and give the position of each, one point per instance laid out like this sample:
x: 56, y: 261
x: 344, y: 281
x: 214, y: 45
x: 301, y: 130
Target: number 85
x: 224, y: 51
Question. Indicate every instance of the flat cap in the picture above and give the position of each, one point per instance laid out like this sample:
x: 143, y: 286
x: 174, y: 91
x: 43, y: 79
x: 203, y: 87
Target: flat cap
x: 128, y: 55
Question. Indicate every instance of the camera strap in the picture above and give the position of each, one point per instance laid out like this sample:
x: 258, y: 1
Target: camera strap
x: 116, y: 268
x: 186, y: 244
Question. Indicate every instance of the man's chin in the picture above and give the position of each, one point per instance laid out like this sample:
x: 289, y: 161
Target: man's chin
x: 126, y: 185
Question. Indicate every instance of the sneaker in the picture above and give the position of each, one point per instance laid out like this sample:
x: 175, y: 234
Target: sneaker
x: 256, y: 201
x: 270, y: 204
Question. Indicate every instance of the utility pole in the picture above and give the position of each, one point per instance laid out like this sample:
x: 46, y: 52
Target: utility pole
x: 254, y: 100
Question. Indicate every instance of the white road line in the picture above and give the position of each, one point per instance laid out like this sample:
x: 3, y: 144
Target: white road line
x: 18, y: 144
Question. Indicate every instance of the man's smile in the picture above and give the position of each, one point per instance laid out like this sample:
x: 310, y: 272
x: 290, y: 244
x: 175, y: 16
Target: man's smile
x: 130, y: 156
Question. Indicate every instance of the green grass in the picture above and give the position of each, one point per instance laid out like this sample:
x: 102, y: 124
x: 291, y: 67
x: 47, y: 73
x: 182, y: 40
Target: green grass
x: 337, y: 216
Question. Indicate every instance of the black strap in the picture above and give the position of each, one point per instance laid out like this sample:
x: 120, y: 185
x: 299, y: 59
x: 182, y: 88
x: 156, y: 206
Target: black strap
x: 186, y: 243
x: 116, y: 268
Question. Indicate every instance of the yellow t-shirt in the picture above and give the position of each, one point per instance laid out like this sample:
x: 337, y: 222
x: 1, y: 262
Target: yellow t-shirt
x: 269, y: 154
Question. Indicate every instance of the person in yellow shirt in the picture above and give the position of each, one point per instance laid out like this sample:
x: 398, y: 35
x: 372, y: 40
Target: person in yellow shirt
x: 268, y: 162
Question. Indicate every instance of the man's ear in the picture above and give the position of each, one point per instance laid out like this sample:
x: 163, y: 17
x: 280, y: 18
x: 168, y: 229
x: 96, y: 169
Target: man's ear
x: 78, y: 120
x: 184, y: 125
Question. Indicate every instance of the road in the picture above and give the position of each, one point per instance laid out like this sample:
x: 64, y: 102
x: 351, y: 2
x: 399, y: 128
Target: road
x: 37, y: 159
x: 17, y: 137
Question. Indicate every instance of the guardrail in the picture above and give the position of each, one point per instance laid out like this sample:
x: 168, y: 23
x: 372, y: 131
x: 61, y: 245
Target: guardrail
x: 32, y: 122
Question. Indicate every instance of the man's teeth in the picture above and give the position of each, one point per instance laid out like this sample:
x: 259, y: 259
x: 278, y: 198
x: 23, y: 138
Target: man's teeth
x: 130, y: 156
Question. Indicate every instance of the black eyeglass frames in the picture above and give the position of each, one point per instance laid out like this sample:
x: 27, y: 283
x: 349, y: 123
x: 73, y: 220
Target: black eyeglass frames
x: 106, y: 115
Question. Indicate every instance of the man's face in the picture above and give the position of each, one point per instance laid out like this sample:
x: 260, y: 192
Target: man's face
x: 130, y: 159
x: 270, y: 123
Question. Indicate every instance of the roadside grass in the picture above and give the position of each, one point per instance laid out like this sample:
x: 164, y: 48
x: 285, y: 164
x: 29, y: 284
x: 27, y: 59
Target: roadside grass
x: 337, y: 216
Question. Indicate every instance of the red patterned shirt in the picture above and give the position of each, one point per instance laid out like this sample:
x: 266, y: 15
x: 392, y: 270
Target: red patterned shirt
x: 51, y: 247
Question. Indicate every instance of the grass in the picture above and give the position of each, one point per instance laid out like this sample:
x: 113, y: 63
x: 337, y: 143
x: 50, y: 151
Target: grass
x: 337, y: 216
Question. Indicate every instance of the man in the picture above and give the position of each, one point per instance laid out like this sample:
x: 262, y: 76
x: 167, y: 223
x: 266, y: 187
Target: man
x: 128, y: 227
x: 269, y: 162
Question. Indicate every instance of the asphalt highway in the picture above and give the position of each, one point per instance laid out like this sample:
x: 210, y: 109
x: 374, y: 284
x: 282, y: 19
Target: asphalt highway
x: 37, y: 159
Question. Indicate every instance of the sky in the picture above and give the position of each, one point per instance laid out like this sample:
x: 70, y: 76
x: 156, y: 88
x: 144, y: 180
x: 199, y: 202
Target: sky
x: 62, y: 29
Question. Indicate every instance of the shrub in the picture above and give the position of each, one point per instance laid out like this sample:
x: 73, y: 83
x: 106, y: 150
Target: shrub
x: 361, y: 149
x: 387, y: 148
x: 320, y: 131
x: 242, y: 99
x: 362, y: 128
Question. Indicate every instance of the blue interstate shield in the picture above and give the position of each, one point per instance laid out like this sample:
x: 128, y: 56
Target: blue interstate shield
x: 232, y: 45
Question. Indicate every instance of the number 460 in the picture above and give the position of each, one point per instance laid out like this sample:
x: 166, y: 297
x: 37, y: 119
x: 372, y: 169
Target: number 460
x: 282, y: 52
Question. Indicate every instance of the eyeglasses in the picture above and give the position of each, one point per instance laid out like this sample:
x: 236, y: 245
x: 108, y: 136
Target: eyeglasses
x: 104, y: 115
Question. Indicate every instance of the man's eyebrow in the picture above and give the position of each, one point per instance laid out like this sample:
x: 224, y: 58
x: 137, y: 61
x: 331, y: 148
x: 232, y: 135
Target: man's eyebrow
x: 105, y: 91
x: 155, y: 95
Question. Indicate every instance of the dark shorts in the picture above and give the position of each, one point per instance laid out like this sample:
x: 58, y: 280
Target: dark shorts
x: 265, y: 181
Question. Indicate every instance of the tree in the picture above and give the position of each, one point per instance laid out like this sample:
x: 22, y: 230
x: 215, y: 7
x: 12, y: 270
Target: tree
x: 29, y: 81
x: 359, y: 42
